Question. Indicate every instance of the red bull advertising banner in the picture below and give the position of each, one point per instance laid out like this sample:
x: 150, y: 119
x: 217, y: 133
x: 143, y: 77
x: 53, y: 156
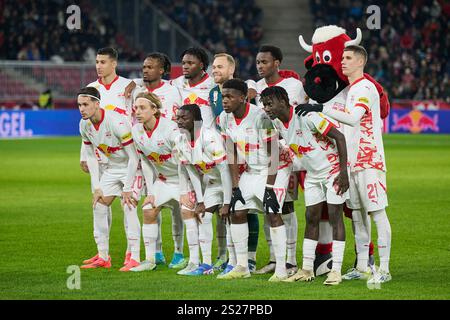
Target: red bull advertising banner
x: 418, y: 121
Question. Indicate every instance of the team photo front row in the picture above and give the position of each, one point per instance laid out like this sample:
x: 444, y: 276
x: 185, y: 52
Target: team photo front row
x: 200, y: 146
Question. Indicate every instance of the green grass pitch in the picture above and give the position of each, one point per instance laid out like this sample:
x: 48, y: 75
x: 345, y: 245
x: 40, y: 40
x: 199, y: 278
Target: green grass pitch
x: 46, y: 226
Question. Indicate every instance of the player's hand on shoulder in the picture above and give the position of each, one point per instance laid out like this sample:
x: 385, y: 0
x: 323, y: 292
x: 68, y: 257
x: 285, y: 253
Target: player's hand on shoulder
x: 129, y: 89
x: 341, y: 183
x: 251, y: 94
x: 84, y: 166
x: 305, y: 108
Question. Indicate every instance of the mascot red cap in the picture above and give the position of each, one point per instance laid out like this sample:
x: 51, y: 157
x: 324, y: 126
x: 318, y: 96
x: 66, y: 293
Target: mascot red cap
x: 324, y: 78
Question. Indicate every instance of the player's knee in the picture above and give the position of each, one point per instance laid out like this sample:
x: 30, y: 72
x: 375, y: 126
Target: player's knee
x: 187, y: 214
x: 150, y: 216
x: 275, y: 220
x: 312, y: 217
x: 288, y: 207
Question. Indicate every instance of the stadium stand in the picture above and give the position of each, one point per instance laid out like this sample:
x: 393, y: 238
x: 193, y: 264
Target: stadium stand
x: 231, y: 26
x: 409, y: 54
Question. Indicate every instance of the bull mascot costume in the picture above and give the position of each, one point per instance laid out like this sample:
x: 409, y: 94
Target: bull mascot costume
x: 325, y: 84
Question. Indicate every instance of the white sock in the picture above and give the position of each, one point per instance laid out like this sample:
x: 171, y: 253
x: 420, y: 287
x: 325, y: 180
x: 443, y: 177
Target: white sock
x: 192, y: 240
x: 290, y: 221
x: 177, y: 229
x: 362, y: 238
x: 221, y: 232
x: 125, y: 226
x: 338, y: 255
x: 384, y: 237
x: 309, y: 254
x: 159, y: 240
x: 101, y: 230
x: 239, y: 234
x: 109, y: 220
x: 230, y: 247
x: 268, y: 237
x: 150, y: 235
x: 278, y: 235
x: 205, y: 231
x: 134, y: 232
x: 325, y: 232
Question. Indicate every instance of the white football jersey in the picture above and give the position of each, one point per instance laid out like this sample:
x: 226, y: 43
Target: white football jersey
x: 159, y: 147
x: 293, y: 87
x: 251, y: 134
x: 168, y: 95
x: 112, y: 95
x: 365, y: 143
x: 306, y: 137
x: 109, y: 136
x: 198, y: 94
x: 205, y: 154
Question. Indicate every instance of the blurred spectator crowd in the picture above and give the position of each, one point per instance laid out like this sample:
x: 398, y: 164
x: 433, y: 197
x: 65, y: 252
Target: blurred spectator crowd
x: 36, y: 30
x: 232, y: 26
x: 409, y: 55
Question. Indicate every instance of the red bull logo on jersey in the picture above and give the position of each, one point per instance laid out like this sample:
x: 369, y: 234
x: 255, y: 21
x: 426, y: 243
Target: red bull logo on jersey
x: 107, y: 150
x: 299, y: 151
x: 246, y: 148
x: 194, y: 99
x: 205, y: 167
x: 159, y: 158
x: 415, y: 122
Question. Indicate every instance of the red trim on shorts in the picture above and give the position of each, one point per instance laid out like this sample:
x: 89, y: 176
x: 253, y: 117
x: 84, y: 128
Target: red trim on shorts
x: 87, y: 143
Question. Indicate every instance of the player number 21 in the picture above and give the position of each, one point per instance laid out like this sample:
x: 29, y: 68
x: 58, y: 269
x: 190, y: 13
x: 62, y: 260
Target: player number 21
x: 372, y: 189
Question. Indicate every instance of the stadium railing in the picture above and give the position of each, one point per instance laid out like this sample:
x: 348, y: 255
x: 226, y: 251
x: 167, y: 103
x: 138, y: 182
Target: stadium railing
x: 21, y: 82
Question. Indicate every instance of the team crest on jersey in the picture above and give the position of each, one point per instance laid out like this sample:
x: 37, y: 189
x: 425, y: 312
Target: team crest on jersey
x: 299, y: 132
x: 108, y: 134
x: 160, y: 143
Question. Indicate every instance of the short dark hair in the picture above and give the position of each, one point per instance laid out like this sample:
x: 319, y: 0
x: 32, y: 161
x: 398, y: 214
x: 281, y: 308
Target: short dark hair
x: 91, y: 91
x: 274, y: 51
x: 200, y: 54
x: 237, y: 84
x: 275, y: 92
x: 194, y: 109
x: 359, y: 50
x: 110, y: 52
x: 163, y: 59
